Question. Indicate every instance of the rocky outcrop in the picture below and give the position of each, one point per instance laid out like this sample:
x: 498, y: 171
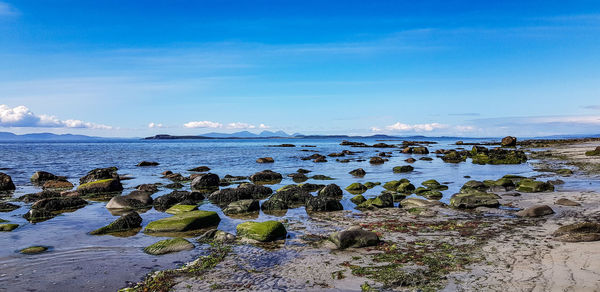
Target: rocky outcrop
x: 40, y: 177
x: 265, y: 160
x: 534, y: 186
x: 331, y: 191
x: 385, y: 200
x: 473, y: 198
x: 8, y: 207
x: 403, y: 168
x: 359, y: 172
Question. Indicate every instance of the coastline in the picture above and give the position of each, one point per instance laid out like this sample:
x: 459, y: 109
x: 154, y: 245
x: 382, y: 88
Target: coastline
x: 429, y: 248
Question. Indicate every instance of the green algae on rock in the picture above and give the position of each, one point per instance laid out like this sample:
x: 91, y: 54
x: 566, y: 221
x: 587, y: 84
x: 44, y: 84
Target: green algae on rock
x: 261, y: 231
x: 124, y: 223
x: 110, y: 185
x: 179, y: 208
x: 187, y: 221
x: 33, y: 250
x: 473, y: 199
x: 169, y: 246
x: 534, y: 186
x: 8, y: 227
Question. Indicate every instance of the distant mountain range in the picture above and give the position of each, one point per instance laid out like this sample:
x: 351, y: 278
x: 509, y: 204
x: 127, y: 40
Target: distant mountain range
x: 246, y: 134
x: 7, y: 136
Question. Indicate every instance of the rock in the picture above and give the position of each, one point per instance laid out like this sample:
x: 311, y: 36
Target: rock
x: 564, y: 172
x: 265, y: 160
x: 320, y: 159
x: 59, y: 204
x: 57, y: 185
x: 321, y: 177
x: 302, y: 170
x: 497, y: 156
x: 33, y: 250
x: 473, y: 199
x: 376, y: 160
x: 165, y: 202
x: 336, y: 154
x: 6, y: 183
x: 287, y: 197
x: 38, y: 215
x: 385, y: 200
x: 419, y: 203
x: 168, y: 246
x: 261, y: 231
x: 509, y: 141
x: 358, y: 199
x: 208, y: 181
x: 6, y: 227
x: 420, y: 150
x: 135, y: 200
x: 359, y: 172
x: 404, y: 168
x: 217, y: 236
x: 454, y: 156
x: 410, y: 160
x: 31, y: 198
x: 246, y: 191
x: 578, y: 232
x: 147, y: 163
x: 566, y: 202
x: 536, y: 211
x: 595, y: 152
x: 371, y: 184
x: 393, y: 185
x: 432, y: 195
x: 473, y: 185
x: 8, y: 207
x: 501, y: 185
x: 426, y: 158
x: 266, y: 177
x: 111, y: 185
x: 311, y: 187
x: 176, y: 177
x: 242, y: 206
x: 200, y: 169
x: 298, y: 177
x: 124, y: 223
x: 533, y: 186
x: 405, y: 188
x: 323, y: 204
x: 331, y: 191
x: 187, y: 221
x: 40, y: 177
x: 179, y: 208
x: 174, y: 185
x: 357, y: 188
x: 354, y: 237
x: 166, y: 172
x: 99, y: 174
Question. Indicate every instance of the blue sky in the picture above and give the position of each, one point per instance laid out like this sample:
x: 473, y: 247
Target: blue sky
x: 470, y: 68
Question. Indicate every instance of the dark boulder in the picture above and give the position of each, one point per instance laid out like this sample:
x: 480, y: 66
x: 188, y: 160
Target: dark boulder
x: 265, y: 160
x: 354, y: 237
x: 40, y: 177
x: 99, y: 174
x: 200, y: 169
x: 245, y: 191
x: 148, y: 163
x: 149, y: 188
x: 331, y: 191
x: 403, y: 168
x: 165, y: 202
x: 6, y: 183
x: 509, y: 141
x: 290, y: 197
x: 323, y: 204
x: 376, y: 160
x: 536, y: 211
x: 8, y: 207
x: 134, y: 200
x: 31, y: 198
x: 110, y: 185
x: 59, y: 204
x: 241, y: 207
x: 126, y: 222
x: 209, y: 181
x: 359, y: 172
x: 266, y: 177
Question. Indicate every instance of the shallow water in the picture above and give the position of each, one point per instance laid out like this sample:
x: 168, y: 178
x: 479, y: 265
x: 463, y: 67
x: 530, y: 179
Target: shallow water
x: 79, y: 261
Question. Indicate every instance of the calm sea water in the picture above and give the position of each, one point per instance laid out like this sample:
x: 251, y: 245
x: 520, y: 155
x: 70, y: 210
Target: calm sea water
x: 78, y: 261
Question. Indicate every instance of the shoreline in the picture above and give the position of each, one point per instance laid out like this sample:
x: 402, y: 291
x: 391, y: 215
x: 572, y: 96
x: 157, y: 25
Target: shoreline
x: 429, y: 248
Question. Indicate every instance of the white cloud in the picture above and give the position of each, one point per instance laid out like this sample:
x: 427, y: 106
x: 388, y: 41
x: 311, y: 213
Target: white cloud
x: 21, y: 116
x: 239, y: 125
x: 202, y: 124
x: 375, y: 129
x: 415, y: 127
x: 263, y: 126
x: 155, y: 125
x: 589, y: 120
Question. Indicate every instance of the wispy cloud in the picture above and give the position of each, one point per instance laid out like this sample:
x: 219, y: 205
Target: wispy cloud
x: 202, y: 124
x: 217, y: 125
x: 592, y: 107
x: 401, y: 127
x: 465, y: 114
x: 21, y: 116
x: 155, y: 125
x: 7, y: 9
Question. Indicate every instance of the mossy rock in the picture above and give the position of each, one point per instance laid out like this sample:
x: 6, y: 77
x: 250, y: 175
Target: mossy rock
x: 321, y: 177
x: 432, y: 183
x: 371, y: 184
x: 358, y: 199
x: 405, y: 188
x: 393, y: 185
x: 403, y: 168
x: 169, y: 246
x: 409, y: 203
x: 474, y: 199
x: 126, y: 222
x: 179, y: 208
x: 534, y: 186
x: 564, y: 172
x: 187, y: 221
x: 261, y: 231
x: 432, y: 195
x: 385, y: 200
x: 356, y: 188
x: 110, y: 185
x: 578, y: 232
x: 8, y: 227
x: 33, y: 250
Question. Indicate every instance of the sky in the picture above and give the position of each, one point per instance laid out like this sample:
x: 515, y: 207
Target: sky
x: 140, y: 68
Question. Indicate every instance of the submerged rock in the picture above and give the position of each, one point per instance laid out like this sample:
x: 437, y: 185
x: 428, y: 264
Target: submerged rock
x: 59, y: 204
x: 38, y: 215
x: 298, y: 177
x: 376, y: 160
x: 33, y: 250
x: 147, y: 163
x: 262, y: 231
x: 126, y: 222
x: 200, y: 169
x: 165, y: 202
x: 265, y: 160
x: 536, y: 211
x: 169, y: 246
x: 7, y: 227
x: 187, y: 221
x: 6, y: 183
x: 8, y: 207
x: 31, y: 198
x: 403, y: 168
x: 354, y: 237
x: 578, y: 232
